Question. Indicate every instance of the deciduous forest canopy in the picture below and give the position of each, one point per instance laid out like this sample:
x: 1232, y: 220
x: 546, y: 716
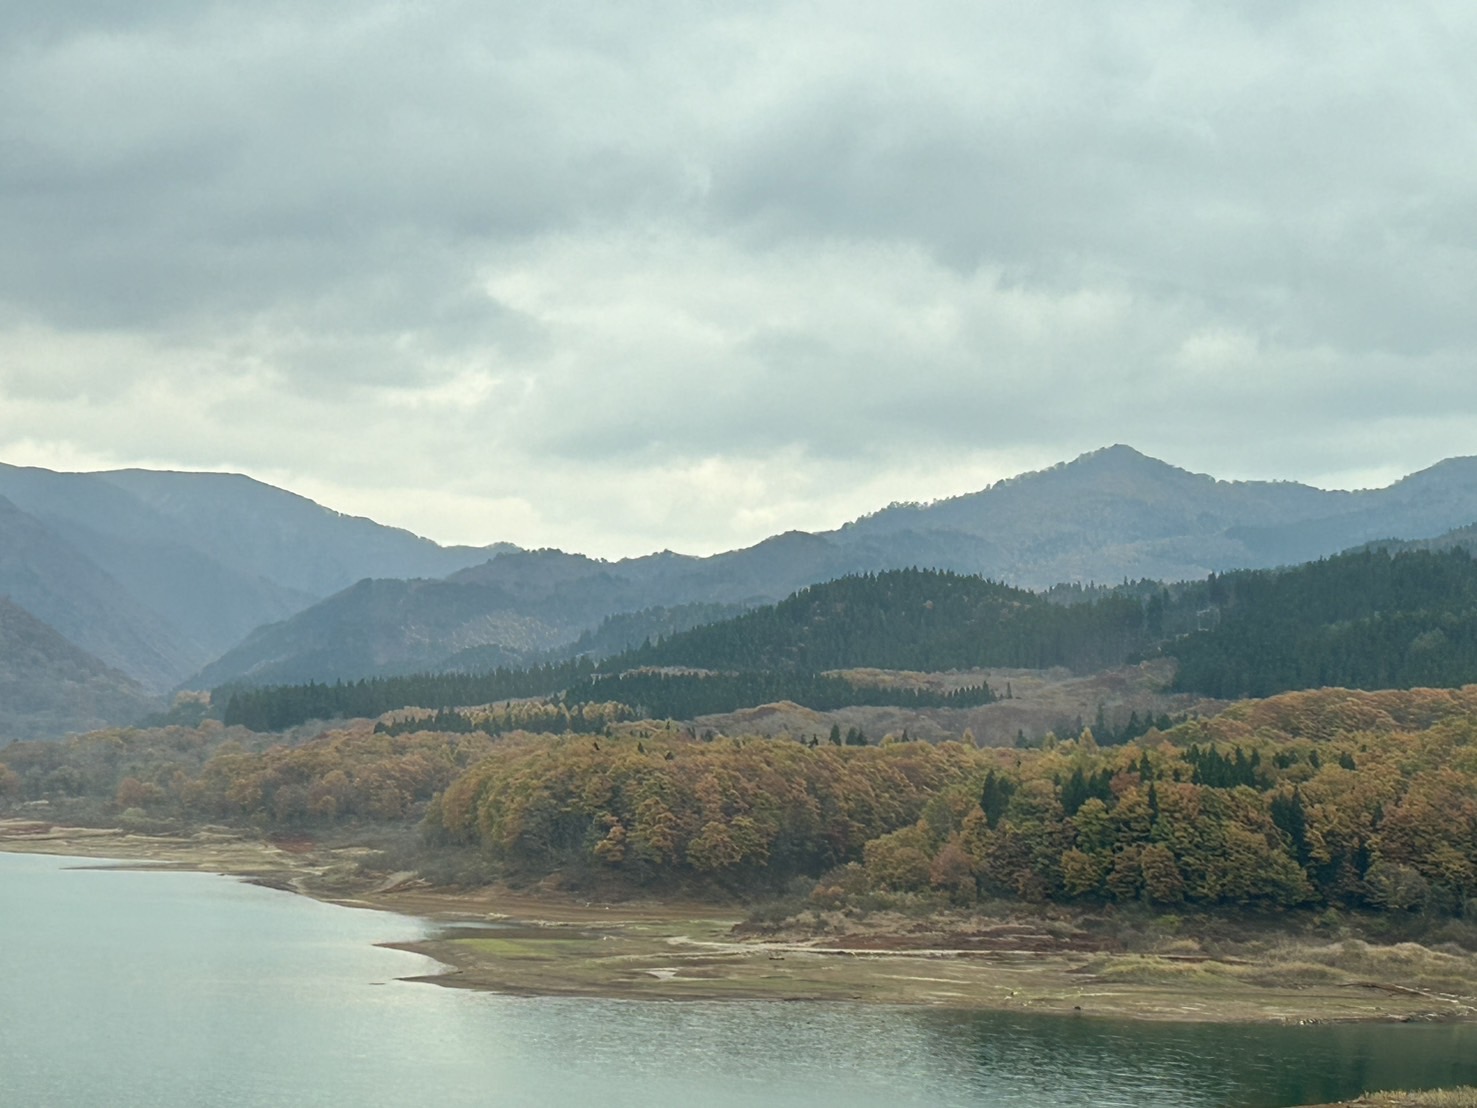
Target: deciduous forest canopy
x: 1325, y: 798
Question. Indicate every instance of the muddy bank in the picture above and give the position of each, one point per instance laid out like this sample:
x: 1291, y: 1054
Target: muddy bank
x: 560, y: 944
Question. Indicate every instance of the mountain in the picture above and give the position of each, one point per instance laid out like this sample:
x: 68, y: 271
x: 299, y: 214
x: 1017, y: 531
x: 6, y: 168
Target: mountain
x: 1115, y: 513
x: 49, y: 687
x: 1369, y: 619
x: 912, y: 619
x: 1110, y: 515
x: 263, y: 531
x: 513, y: 608
x: 54, y: 581
x: 157, y: 573
x: 381, y: 627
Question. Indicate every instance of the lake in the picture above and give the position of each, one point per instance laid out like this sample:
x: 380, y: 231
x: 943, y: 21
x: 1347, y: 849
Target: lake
x: 120, y: 987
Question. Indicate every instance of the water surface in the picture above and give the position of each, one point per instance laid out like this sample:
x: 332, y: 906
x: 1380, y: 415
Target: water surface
x: 174, y: 989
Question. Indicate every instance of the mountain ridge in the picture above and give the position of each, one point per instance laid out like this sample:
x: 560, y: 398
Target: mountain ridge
x: 1108, y: 515
x: 159, y: 572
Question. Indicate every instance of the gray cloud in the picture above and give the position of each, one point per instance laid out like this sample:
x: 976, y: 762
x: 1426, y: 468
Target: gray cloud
x: 657, y: 275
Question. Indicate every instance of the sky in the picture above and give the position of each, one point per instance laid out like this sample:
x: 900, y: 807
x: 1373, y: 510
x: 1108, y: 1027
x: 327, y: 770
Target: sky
x: 627, y: 277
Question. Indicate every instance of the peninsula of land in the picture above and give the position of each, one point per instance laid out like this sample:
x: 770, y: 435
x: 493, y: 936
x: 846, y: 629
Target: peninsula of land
x: 543, y: 941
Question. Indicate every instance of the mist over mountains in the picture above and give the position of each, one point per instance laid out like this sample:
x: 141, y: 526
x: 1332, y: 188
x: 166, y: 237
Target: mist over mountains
x: 196, y: 580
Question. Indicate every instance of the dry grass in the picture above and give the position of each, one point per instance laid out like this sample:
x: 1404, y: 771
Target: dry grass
x: 1445, y: 978
x: 1409, y: 964
x: 1465, y: 1097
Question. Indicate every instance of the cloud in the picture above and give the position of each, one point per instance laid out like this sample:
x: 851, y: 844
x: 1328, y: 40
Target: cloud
x: 659, y: 275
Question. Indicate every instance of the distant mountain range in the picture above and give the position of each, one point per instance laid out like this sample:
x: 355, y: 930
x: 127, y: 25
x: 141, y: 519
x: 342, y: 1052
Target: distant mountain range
x: 1108, y: 515
x: 158, y: 573
x: 197, y: 580
x: 1115, y: 513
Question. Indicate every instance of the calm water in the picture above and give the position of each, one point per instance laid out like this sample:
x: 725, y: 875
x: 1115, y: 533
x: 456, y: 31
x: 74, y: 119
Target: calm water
x: 171, y: 989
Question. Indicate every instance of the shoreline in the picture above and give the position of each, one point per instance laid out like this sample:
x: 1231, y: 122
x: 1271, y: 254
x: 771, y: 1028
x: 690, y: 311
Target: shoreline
x: 554, y: 944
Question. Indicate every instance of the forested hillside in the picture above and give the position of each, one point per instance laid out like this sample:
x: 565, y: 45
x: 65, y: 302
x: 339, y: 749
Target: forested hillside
x: 685, y: 696
x: 615, y: 634
x: 1315, y: 798
x: 1369, y: 619
x: 1326, y: 798
x: 649, y: 693
x: 277, y: 707
x: 1366, y: 620
x: 919, y: 620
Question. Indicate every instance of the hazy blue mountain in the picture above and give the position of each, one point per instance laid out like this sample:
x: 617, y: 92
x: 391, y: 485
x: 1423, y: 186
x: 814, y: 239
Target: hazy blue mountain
x: 1110, y: 514
x: 264, y: 531
x: 49, y: 687
x: 1422, y: 506
x: 158, y: 573
x: 206, y: 605
x: 53, y: 581
x: 383, y: 627
x: 514, y: 607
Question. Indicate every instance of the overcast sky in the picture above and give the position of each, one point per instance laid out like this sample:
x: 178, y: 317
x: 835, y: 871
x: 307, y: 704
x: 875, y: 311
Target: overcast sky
x: 623, y: 277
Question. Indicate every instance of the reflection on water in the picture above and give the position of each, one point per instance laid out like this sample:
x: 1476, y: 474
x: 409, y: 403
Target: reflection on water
x: 186, y: 989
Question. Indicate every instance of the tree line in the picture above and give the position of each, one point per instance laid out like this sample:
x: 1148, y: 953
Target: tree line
x: 278, y: 707
x: 547, y: 717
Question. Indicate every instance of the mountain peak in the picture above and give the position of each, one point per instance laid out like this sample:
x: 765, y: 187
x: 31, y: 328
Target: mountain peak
x: 1120, y: 459
x: 1112, y: 463
x: 1117, y: 454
